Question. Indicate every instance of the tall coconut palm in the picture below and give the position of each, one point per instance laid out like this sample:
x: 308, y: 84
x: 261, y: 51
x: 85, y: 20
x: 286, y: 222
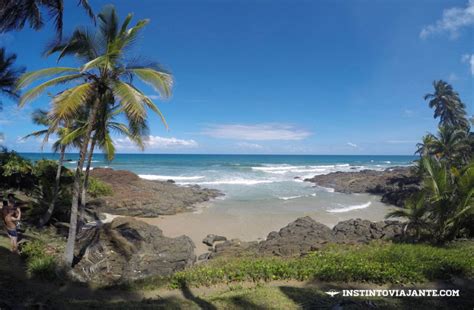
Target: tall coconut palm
x: 15, y: 14
x: 40, y: 117
x: 448, y: 106
x: 102, y: 138
x: 105, y: 71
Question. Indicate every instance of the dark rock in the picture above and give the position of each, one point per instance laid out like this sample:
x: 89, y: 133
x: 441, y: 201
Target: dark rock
x: 133, y: 196
x: 170, y: 181
x: 395, y: 185
x: 127, y: 249
x: 298, y: 237
x: 234, y: 247
x: 358, y: 230
x: 211, y: 239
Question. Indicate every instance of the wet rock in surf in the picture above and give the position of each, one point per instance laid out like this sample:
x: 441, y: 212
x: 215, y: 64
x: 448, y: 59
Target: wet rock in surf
x: 395, y: 185
x: 127, y: 249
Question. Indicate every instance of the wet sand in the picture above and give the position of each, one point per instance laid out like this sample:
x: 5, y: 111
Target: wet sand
x: 250, y: 221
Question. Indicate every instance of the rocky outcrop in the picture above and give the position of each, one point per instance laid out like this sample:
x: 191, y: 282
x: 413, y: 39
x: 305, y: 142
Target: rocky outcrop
x: 395, y: 185
x: 357, y: 230
x: 305, y: 235
x: 298, y: 237
x: 133, y: 196
x: 127, y: 249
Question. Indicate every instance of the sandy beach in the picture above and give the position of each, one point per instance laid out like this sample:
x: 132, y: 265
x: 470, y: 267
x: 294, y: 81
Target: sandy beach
x: 249, y: 221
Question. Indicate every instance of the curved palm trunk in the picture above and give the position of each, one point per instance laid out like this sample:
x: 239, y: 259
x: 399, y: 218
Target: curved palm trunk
x: 85, y: 185
x: 47, y: 216
x: 71, y: 240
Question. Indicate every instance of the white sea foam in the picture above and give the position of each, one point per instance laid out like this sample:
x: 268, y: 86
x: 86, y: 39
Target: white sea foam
x: 350, y: 208
x: 290, y: 197
x: 233, y: 181
x: 296, y: 197
x: 154, y: 177
x: 326, y: 189
x: 309, y: 170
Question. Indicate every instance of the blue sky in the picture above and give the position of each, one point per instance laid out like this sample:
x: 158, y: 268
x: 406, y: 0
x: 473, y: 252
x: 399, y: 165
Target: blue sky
x: 283, y: 77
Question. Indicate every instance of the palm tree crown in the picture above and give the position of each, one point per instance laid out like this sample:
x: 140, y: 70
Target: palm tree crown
x: 15, y: 14
x: 448, y: 106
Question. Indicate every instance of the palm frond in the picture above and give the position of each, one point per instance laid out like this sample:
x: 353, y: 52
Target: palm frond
x: 28, y: 78
x: 33, y: 93
x: 67, y: 104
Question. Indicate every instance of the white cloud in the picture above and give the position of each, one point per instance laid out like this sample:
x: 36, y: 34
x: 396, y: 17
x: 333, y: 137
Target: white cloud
x: 452, y: 21
x: 153, y: 97
x: 256, y: 132
x: 156, y: 142
x: 469, y: 59
x: 402, y: 141
x: 251, y: 146
x: 352, y: 145
x: 408, y: 112
x: 452, y: 77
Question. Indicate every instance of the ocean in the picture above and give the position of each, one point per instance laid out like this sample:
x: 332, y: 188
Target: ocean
x: 273, y: 182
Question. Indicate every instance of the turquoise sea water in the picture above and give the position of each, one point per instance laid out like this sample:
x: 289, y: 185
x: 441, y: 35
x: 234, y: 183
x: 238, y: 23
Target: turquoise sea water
x: 255, y: 180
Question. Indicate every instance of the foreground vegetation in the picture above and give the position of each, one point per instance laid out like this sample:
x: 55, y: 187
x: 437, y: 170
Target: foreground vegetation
x: 378, y: 262
x: 259, y: 283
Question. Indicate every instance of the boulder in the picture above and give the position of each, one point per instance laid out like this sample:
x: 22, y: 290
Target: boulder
x: 358, y: 230
x: 297, y: 238
x: 234, y: 247
x: 127, y: 249
x: 211, y: 239
x: 133, y: 196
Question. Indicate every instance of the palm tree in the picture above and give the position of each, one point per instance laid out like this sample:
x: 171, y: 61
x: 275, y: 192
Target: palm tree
x: 415, y: 211
x: 103, y: 139
x: 40, y: 117
x: 14, y: 14
x: 448, y: 106
x: 8, y: 75
x: 451, y: 145
x: 424, y: 147
x: 105, y: 71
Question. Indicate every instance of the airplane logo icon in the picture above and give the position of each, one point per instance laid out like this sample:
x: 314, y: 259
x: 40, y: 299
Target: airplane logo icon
x: 332, y: 293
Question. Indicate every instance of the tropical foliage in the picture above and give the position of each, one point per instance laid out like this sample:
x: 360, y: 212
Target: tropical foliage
x: 444, y: 208
x: 15, y: 14
x: 97, y: 92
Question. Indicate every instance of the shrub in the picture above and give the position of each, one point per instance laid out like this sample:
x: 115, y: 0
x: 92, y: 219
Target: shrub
x: 97, y: 188
x: 39, y: 264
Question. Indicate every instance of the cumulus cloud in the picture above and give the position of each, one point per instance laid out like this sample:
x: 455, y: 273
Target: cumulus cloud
x: 452, y: 20
x: 469, y: 59
x: 256, y: 132
x: 157, y: 143
x: 352, y: 144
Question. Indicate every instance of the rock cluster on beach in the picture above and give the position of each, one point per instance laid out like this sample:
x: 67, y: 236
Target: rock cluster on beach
x: 305, y: 235
x: 395, y: 185
x: 133, y: 196
x: 128, y: 249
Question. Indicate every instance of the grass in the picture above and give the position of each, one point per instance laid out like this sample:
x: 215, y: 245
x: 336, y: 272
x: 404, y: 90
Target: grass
x: 377, y: 262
